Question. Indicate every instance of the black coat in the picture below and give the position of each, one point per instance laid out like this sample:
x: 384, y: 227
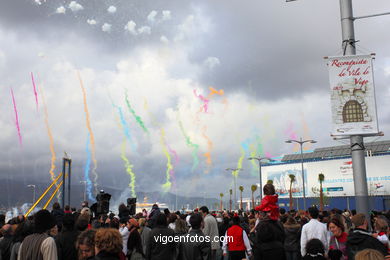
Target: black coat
x: 195, y: 250
x: 270, y: 240
x: 65, y: 242
x: 360, y: 239
x: 106, y: 256
x: 157, y: 249
x: 293, y: 237
x: 58, y: 214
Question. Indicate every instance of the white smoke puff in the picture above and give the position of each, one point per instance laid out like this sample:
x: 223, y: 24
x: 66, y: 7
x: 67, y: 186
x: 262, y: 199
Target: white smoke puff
x: 106, y: 27
x: 212, y: 62
x: 152, y: 16
x: 111, y: 9
x: 387, y: 71
x: 130, y: 27
x: 61, y: 10
x: 39, y: 2
x: 91, y: 21
x: 166, y: 15
x: 74, y: 6
x: 164, y: 39
x: 145, y: 30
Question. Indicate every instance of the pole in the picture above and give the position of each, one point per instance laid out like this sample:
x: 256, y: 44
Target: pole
x: 235, y: 194
x: 34, y: 194
x: 357, y: 143
x: 69, y: 178
x: 260, y: 183
x: 63, y: 182
x: 303, y: 177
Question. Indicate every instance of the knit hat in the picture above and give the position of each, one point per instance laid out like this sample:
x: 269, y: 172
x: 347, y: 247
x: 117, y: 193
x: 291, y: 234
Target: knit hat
x: 43, y: 221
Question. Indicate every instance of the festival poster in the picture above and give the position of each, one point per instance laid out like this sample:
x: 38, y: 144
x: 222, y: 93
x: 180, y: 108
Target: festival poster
x: 352, y: 95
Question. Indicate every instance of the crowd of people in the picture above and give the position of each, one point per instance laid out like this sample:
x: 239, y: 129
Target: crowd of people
x: 265, y: 232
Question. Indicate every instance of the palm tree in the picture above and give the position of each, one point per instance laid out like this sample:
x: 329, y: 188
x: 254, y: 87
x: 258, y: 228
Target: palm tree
x: 230, y: 200
x: 221, y: 195
x: 270, y: 182
x: 241, y: 188
x: 253, y: 189
x: 321, y: 178
x: 292, y: 179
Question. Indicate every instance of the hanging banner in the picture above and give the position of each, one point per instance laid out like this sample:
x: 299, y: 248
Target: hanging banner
x: 352, y: 95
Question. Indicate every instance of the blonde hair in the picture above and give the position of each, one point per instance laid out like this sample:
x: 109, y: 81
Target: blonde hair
x: 381, y: 225
x: 108, y: 240
x: 369, y: 254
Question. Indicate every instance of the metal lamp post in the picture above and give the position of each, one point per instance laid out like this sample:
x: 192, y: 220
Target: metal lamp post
x: 235, y: 183
x: 85, y: 189
x: 33, y: 186
x: 260, y: 159
x: 301, y: 142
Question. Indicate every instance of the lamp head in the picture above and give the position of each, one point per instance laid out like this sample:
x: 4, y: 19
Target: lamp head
x: 288, y: 141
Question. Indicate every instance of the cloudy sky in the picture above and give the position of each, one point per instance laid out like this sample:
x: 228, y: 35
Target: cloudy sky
x: 176, y: 91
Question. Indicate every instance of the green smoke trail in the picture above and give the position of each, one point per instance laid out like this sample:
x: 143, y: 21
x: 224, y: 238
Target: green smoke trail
x: 129, y: 169
x: 167, y: 185
x: 239, y: 163
x: 192, y: 145
x: 137, y: 117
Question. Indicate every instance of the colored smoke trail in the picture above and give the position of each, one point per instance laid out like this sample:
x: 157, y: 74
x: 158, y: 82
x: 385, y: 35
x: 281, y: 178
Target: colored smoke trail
x: 129, y: 169
x: 205, y: 101
x: 239, y: 163
x: 306, y: 134
x: 86, y: 171
x: 292, y: 135
x: 137, y: 118
x: 175, y: 162
x: 194, y: 147
x: 16, y: 118
x: 167, y: 185
x: 125, y: 127
x: 35, y: 89
x: 213, y: 91
x: 91, y: 136
x: 209, y: 147
x: 51, y: 140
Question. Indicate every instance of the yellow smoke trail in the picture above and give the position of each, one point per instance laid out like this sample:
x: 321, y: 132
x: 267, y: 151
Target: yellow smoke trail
x: 91, y: 136
x: 239, y: 163
x: 129, y: 169
x: 167, y: 185
x: 51, y: 140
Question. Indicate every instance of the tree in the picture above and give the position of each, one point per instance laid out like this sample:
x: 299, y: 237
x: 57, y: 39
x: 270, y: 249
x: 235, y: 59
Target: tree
x: 221, y: 195
x: 241, y: 188
x: 292, y: 179
x: 230, y: 200
x: 270, y: 182
x: 321, y: 178
x: 253, y: 189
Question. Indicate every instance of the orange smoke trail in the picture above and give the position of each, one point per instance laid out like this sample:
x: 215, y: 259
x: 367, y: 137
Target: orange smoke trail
x: 209, y: 147
x: 91, y: 136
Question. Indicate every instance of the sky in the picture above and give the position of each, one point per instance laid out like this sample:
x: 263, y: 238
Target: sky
x: 165, y: 95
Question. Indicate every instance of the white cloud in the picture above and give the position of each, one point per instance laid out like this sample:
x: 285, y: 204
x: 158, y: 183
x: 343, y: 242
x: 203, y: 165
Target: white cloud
x: 74, y: 6
x: 145, y: 30
x: 91, y: 21
x: 166, y: 15
x: 152, y: 16
x: 211, y: 62
x: 164, y: 39
x: 39, y: 2
x: 2, y: 59
x: 106, y: 27
x: 61, y: 10
x: 111, y: 9
x: 130, y: 27
x: 387, y: 71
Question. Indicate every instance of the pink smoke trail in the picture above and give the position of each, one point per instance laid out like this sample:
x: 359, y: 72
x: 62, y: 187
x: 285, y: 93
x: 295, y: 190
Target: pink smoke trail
x: 35, y: 90
x: 292, y: 135
x: 205, y: 101
x: 16, y: 117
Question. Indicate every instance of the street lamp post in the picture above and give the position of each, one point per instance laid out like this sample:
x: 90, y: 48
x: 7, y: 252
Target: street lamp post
x: 85, y: 189
x: 260, y: 159
x: 234, y: 171
x: 33, y: 186
x: 300, y: 142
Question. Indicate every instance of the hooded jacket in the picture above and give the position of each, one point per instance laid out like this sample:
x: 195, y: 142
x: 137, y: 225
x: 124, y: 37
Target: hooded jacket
x: 268, y: 203
x: 293, y: 237
x: 360, y: 239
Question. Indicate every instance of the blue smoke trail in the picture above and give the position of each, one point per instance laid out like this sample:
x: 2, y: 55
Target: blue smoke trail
x: 126, y: 128
x: 86, y: 171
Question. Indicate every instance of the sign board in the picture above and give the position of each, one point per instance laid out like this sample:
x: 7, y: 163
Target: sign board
x: 352, y: 95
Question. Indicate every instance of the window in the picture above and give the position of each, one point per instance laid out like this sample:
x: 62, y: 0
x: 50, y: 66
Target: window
x: 352, y: 112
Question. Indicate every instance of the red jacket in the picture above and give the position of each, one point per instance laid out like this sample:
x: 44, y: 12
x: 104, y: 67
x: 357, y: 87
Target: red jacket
x: 268, y: 203
x: 237, y: 244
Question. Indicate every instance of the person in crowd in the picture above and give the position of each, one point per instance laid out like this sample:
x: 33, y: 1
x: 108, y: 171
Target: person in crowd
x: 360, y: 239
x: 369, y: 254
x: 268, y: 203
x: 172, y: 217
x: 85, y: 245
x: 238, y: 246
x: 144, y: 232
x: 6, y: 242
x: 293, y: 235
x: 82, y: 222
x: 382, y: 228
x: 23, y: 230
x: 134, y: 243
x: 180, y: 227
x: 152, y: 217
x: 40, y: 245
x: 338, y: 239
x: 124, y: 231
x: 160, y: 244
x: 313, y: 229
x: 58, y: 214
x: 314, y: 250
x: 2, y: 220
x: 283, y: 215
x: 67, y: 209
x: 65, y: 240
x: 108, y: 244
x: 211, y: 230
x: 124, y: 212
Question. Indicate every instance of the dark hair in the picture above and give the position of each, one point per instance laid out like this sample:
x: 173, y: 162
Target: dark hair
x: 196, y: 220
x: 315, y: 246
x: 236, y: 220
x: 337, y: 222
x: 68, y: 221
x: 290, y: 221
x: 172, y: 218
x: 24, y: 229
x: 204, y: 209
x: 269, y: 189
x: 67, y: 207
x: 313, y: 211
x: 335, y: 254
x: 134, y: 242
x: 82, y: 223
x: 87, y: 238
x: 282, y: 211
x: 161, y: 220
x: 56, y: 205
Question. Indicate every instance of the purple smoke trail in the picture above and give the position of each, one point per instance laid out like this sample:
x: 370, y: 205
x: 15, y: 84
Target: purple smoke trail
x: 35, y: 90
x: 16, y: 117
